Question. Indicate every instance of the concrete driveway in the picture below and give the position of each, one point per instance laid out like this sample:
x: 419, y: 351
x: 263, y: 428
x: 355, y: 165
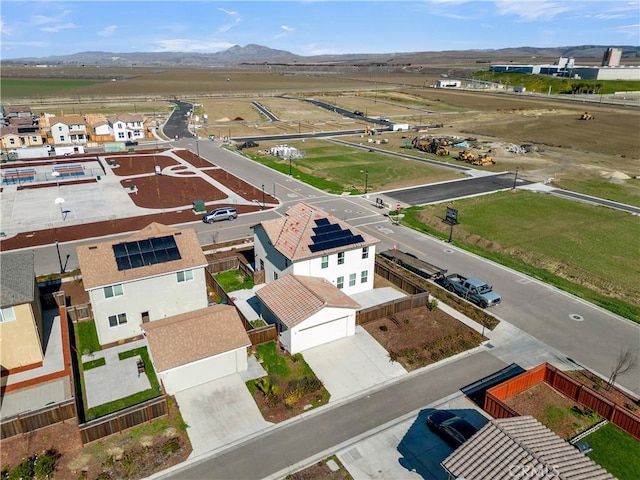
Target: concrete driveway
x: 350, y: 365
x: 406, y: 448
x: 219, y: 413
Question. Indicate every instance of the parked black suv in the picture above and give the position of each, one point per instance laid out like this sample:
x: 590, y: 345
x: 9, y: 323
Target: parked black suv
x: 130, y: 143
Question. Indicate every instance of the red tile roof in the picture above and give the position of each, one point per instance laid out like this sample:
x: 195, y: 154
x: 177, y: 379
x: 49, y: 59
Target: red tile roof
x: 192, y: 336
x: 294, y: 298
x: 291, y: 234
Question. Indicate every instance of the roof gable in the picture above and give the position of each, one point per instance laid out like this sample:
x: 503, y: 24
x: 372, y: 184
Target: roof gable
x: 294, y: 298
x: 193, y: 336
x: 297, y: 237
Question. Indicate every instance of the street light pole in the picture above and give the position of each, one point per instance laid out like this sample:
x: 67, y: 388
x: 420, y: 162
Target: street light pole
x: 366, y: 181
x: 289, y: 165
x: 515, y: 179
x: 197, y: 146
x: 262, y: 197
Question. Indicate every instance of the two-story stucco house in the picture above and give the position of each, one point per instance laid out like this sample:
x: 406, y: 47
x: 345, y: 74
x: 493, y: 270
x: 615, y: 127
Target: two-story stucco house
x: 127, y: 126
x: 155, y: 273
x: 21, y: 330
x: 309, y: 241
x: 70, y: 129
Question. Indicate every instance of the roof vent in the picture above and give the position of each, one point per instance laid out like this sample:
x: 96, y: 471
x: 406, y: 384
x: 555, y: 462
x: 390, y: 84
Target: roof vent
x: 93, y: 247
x: 177, y: 233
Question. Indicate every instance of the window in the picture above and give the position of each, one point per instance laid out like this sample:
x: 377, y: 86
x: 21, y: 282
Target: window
x: 59, y: 129
x: 364, y: 275
x: 120, y: 135
x: 113, y: 291
x: 275, y: 275
x: 261, y: 265
x: 365, y: 252
x: 340, y: 258
x: 340, y: 282
x: 12, y: 141
x: 119, y: 319
x: 62, y: 138
x: 352, y: 279
x: 185, y: 276
x: 7, y: 314
x: 325, y: 261
x: 34, y: 139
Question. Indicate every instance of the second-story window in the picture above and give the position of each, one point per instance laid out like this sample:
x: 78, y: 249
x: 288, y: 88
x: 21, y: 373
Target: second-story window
x: 113, y: 291
x: 340, y: 282
x: 365, y: 252
x: 185, y: 276
x: 341, y: 258
x: 325, y: 261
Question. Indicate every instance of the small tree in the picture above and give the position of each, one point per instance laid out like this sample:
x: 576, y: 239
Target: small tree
x: 627, y: 360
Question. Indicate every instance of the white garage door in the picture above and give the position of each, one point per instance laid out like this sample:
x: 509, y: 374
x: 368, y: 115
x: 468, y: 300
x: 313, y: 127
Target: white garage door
x: 196, y: 373
x: 319, y: 334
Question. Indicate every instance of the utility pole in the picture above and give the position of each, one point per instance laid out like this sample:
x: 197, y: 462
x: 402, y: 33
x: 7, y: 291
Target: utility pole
x: 515, y: 179
x: 262, y: 197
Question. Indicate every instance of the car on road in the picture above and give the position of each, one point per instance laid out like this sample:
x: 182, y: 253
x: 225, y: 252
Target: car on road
x: 451, y: 427
x: 219, y: 214
x: 130, y: 143
x: 358, y: 113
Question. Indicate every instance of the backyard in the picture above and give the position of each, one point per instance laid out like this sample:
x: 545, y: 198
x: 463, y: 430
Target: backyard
x: 616, y: 451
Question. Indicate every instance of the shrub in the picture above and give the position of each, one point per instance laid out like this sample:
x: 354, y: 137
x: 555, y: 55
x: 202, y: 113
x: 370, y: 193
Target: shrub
x: 45, y: 464
x: 433, y: 304
x: 170, y: 446
x: 23, y: 471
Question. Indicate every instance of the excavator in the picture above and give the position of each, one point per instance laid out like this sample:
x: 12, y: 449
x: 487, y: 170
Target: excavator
x: 467, y: 156
x: 433, y: 146
x: 483, y: 159
x: 586, y: 116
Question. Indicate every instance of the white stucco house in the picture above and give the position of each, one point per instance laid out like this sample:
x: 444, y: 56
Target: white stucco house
x: 197, y: 347
x: 127, y: 126
x: 70, y: 129
x: 155, y: 273
x: 308, y: 311
x: 311, y: 242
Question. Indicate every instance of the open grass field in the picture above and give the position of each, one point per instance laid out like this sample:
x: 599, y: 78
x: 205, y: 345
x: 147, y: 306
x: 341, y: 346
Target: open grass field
x: 562, y: 242
x: 342, y: 169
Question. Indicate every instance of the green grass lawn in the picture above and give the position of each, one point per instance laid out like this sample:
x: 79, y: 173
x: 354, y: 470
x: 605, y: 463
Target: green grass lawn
x: 87, y: 337
x: 33, y: 87
x: 626, y: 192
x: 586, y: 250
x: 233, y: 280
x: 338, y: 168
x: 616, y: 451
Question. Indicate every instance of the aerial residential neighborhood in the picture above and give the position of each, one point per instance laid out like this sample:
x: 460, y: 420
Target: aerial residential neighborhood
x: 352, y: 267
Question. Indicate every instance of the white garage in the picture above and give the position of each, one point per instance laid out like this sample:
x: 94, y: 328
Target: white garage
x: 308, y: 311
x: 197, y: 347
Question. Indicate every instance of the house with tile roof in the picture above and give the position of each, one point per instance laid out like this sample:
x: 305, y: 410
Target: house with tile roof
x: 520, y: 447
x: 155, y: 273
x: 127, y: 126
x: 21, y: 328
x: 309, y: 241
x: 197, y: 347
x: 70, y: 129
x: 308, y: 311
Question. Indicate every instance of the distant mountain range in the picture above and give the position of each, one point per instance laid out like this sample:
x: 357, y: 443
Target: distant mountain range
x: 260, y: 55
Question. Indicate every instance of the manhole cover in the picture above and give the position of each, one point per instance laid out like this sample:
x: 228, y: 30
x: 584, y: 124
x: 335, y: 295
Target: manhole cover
x: 448, y: 250
x: 576, y: 317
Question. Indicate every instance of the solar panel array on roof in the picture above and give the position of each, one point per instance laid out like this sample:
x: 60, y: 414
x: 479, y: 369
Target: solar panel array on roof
x: 146, y: 252
x: 331, y: 235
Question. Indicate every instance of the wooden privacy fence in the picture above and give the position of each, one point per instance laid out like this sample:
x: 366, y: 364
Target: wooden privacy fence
x: 263, y: 335
x: 124, y: 419
x: 404, y: 282
x: 388, y: 309
x: 563, y: 383
x: 41, y: 418
x: 80, y: 313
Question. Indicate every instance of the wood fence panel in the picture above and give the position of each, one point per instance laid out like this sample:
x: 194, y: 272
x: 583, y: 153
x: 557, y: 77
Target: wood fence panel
x: 496, y: 408
x: 37, y: 419
x: 223, y: 264
x: 263, y: 335
x: 627, y: 421
x: 391, y: 308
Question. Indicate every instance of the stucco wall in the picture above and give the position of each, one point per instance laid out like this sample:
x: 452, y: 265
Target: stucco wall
x: 21, y: 344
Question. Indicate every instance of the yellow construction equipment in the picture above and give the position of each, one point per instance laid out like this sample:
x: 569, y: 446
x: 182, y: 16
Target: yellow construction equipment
x: 586, y: 116
x: 467, y: 156
x: 484, y: 159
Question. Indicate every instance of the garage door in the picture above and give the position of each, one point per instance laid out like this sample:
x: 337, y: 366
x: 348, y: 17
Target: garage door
x: 196, y: 373
x: 319, y: 334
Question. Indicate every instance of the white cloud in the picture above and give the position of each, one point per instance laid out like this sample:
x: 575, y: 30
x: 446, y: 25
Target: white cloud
x: 4, y: 30
x: 534, y: 11
x: 228, y: 12
x: 36, y: 20
x: 286, y: 30
x: 24, y: 44
x: 58, y: 28
x: 629, y: 30
x: 108, y: 31
x: 191, y: 46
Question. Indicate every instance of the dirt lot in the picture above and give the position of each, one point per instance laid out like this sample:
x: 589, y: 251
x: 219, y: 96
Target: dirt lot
x: 420, y: 336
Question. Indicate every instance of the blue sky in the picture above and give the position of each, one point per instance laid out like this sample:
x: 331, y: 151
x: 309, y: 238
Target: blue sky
x: 40, y: 29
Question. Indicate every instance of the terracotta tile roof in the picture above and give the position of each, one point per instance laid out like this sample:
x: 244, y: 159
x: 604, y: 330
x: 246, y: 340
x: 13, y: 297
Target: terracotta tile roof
x: 294, y: 298
x: 69, y: 120
x: 95, y: 119
x: 98, y: 264
x: 196, y: 335
x: 507, y: 445
x: 291, y: 234
x: 9, y: 130
x: 21, y: 121
x: 13, y: 109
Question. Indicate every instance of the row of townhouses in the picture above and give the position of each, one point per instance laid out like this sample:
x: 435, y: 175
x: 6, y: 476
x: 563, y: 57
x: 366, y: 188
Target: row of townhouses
x: 21, y: 128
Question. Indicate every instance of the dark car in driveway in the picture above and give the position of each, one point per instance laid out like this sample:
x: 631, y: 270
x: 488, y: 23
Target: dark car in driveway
x: 452, y: 428
x: 131, y: 143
